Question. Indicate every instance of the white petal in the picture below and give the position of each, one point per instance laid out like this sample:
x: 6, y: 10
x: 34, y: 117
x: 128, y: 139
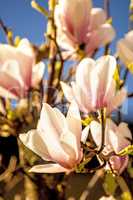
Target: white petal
x: 85, y: 134
x: 67, y: 90
x: 26, y: 48
x: 34, y: 142
x: 48, y: 168
x: 51, y: 129
x: 74, y: 125
x: 37, y: 73
x: 106, y: 66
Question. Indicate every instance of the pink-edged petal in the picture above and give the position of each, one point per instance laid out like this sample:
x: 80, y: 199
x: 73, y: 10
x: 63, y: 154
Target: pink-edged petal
x: 83, y: 72
x: 128, y: 40
x: 11, y: 85
x: 11, y: 68
x: 83, y: 99
x: 49, y: 117
x: 63, y: 40
x: 69, y: 144
x: 33, y: 141
x: 106, y: 34
x: 51, y: 129
x: 77, y: 26
x: 37, y: 73
x: 67, y: 90
x: 106, y: 66
x: 25, y: 62
x: 124, y: 52
x: 119, y: 163
x: 98, y: 17
x: 74, y: 125
x: 48, y: 168
x: 117, y: 100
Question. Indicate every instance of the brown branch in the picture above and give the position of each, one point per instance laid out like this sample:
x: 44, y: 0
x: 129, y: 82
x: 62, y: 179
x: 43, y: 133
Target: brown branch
x: 7, y: 32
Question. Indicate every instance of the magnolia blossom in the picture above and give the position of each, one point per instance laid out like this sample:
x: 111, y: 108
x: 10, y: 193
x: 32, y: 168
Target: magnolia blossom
x: 79, y: 26
x: 94, y: 86
x: 56, y: 139
x: 116, y: 139
x: 18, y: 71
x: 125, y: 50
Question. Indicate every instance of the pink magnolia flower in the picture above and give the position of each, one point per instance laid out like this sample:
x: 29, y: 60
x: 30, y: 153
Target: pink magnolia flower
x: 125, y: 50
x: 116, y: 139
x: 81, y: 26
x: 18, y: 71
x: 94, y: 86
x: 56, y: 139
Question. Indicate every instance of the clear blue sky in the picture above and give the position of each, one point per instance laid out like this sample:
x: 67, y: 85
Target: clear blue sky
x: 26, y: 22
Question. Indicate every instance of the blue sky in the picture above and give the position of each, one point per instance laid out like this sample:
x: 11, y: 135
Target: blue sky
x: 26, y: 22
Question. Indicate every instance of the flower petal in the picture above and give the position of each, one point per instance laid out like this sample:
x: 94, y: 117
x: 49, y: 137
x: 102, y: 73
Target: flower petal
x: 48, y: 168
x: 106, y: 34
x: 98, y: 17
x: 50, y: 130
x: 67, y: 90
x: 34, y: 142
x: 74, y: 124
x: 106, y: 66
x: 37, y: 73
x: 117, y: 100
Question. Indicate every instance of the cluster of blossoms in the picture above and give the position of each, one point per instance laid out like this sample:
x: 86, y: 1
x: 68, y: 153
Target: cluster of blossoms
x: 81, y: 29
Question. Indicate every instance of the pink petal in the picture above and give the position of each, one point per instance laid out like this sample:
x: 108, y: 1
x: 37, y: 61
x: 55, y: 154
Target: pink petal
x: 117, y: 100
x: 74, y: 124
x: 83, y: 73
x: 106, y: 66
x: 124, y: 52
x: 98, y: 17
x: 119, y: 163
x: 25, y: 62
x: 78, y: 24
x: 81, y: 98
x: 106, y: 34
x: 51, y: 129
x: 11, y: 85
